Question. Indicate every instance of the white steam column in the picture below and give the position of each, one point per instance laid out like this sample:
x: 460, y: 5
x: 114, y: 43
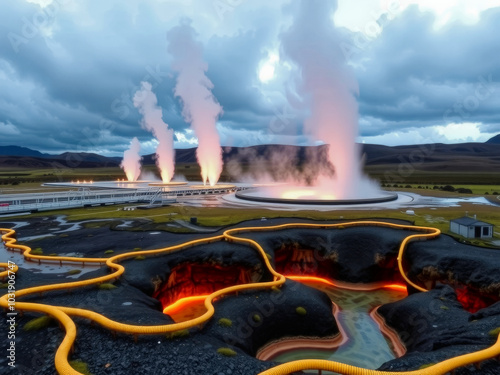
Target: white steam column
x: 147, y: 104
x: 200, y: 108
x: 131, y: 162
x: 314, y: 45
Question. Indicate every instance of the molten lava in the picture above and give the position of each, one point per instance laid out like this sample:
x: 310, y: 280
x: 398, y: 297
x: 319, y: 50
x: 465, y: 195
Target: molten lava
x: 189, y: 280
x: 292, y: 260
x: 186, y: 308
x: 321, y: 280
x: 311, y: 279
x: 396, y: 287
x: 473, y: 300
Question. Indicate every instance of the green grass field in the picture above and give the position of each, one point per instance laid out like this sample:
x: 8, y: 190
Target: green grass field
x: 425, y: 189
x: 390, y: 174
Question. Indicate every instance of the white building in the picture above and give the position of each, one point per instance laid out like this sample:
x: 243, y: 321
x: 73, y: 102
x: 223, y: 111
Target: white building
x: 470, y: 227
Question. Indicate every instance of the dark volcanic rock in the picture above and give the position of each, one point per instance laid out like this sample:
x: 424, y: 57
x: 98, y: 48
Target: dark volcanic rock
x: 469, y: 265
x: 121, y: 355
x: 160, y: 355
x: 264, y: 316
x: 434, y: 327
x: 74, y: 237
x: 142, y: 273
x: 357, y: 255
x: 125, y: 304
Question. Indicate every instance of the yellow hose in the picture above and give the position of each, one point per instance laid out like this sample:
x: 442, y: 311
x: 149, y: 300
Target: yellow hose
x: 12, y: 268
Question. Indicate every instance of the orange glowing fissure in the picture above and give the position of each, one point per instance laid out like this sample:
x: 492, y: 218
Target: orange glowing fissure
x: 312, y: 279
x: 179, y: 306
x: 367, y: 287
x: 183, y: 303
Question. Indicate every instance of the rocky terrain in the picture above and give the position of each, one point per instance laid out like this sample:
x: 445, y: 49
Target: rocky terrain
x: 433, y: 325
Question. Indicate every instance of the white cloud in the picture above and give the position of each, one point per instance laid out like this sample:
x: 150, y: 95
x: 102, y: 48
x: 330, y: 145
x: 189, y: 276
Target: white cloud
x: 149, y: 147
x: 8, y: 129
x: 267, y: 70
x: 185, y: 139
x: 453, y: 10
x: 42, y: 3
x: 446, y: 11
x: 452, y: 133
x: 465, y: 132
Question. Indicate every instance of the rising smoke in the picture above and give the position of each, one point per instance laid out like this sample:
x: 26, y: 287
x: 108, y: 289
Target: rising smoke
x: 131, y: 162
x: 147, y: 104
x: 293, y: 165
x: 328, y: 85
x: 200, y: 108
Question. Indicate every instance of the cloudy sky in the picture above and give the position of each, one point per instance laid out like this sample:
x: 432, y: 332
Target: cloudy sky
x: 69, y: 69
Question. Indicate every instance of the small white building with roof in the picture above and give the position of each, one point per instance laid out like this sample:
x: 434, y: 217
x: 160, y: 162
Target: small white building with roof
x: 470, y: 227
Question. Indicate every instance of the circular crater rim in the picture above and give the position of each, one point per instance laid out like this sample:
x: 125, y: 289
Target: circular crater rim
x: 244, y: 195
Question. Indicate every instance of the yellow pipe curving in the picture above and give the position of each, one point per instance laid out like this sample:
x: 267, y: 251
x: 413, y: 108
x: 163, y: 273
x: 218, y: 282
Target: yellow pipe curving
x: 62, y: 314
x: 8, y: 267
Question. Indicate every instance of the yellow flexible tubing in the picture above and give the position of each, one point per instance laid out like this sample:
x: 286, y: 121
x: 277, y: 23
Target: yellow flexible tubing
x: 11, y: 268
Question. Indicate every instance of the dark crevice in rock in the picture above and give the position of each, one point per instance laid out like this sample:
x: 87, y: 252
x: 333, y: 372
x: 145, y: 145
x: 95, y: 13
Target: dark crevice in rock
x: 434, y: 327
x: 191, y: 279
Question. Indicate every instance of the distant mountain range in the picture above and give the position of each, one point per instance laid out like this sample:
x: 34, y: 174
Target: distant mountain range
x: 495, y: 140
x: 22, y: 157
x: 446, y: 157
x: 21, y: 151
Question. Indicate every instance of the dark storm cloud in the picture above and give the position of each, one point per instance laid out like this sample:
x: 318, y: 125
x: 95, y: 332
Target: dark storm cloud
x: 67, y: 78
x: 76, y: 86
x: 416, y: 76
x: 233, y: 64
x: 68, y: 83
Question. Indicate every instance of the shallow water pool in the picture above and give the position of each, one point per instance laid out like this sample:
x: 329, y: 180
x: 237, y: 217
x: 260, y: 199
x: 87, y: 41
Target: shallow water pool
x: 366, y: 347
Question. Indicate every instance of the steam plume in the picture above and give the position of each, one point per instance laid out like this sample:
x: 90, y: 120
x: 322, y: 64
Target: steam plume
x: 131, y: 162
x: 147, y: 104
x: 315, y: 46
x: 201, y: 109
